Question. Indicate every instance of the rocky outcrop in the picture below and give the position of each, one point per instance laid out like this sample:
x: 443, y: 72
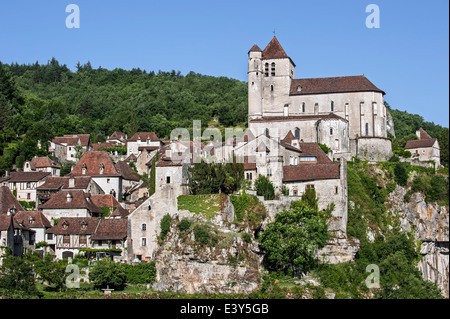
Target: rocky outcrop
x: 339, y: 248
x: 228, y: 267
x: 430, y: 224
x: 231, y: 263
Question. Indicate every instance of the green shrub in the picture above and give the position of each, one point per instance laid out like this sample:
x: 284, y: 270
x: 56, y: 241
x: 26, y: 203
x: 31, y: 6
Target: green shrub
x: 264, y: 187
x: 247, y: 237
x: 184, y: 224
x: 165, y: 226
x: 401, y: 172
x: 141, y: 273
x: 284, y: 190
x: 202, y: 235
x: 108, y: 273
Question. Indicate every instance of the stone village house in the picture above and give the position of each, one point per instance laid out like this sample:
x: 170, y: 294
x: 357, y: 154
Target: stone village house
x: 425, y: 148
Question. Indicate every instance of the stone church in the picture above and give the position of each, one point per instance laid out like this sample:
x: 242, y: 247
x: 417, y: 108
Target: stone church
x: 346, y: 113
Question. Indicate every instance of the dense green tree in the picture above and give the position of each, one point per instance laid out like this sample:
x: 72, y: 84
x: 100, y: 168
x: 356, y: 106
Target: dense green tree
x: 17, y: 278
x: 264, y: 187
x: 290, y: 242
x: 108, y: 273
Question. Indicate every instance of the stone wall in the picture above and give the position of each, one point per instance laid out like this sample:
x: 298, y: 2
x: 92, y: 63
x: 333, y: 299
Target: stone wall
x: 374, y: 149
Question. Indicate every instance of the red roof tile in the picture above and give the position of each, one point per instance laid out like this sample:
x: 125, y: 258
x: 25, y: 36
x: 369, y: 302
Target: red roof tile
x: 27, y: 176
x: 38, y: 162
x: 8, y: 201
x: 143, y: 136
x: 92, y: 161
x: 75, y: 225
x: 411, y: 144
x: 310, y: 172
x: 62, y: 182
x: 79, y: 199
x: 255, y: 48
x: 274, y: 50
x: 38, y: 219
x: 111, y: 228
x: 340, y: 84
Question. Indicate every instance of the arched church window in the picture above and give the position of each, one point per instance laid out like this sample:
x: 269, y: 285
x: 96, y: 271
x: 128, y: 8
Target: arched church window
x: 266, y: 132
x: 367, y: 129
x: 297, y: 132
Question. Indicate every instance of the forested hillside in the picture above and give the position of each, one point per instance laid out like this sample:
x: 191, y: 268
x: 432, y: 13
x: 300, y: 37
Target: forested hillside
x: 40, y: 101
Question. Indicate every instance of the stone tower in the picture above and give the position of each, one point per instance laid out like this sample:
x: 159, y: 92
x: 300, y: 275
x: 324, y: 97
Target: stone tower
x: 255, y: 76
x: 270, y: 75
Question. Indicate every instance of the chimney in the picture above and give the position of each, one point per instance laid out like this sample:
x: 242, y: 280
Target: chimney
x: 71, y: 182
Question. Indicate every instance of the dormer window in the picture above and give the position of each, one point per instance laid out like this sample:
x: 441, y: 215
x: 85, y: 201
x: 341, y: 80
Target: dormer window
x: 31, y: 220
x: 83, y: 169
x: 299, y: 89
x: 65, y: 224
x: 83, y: 225
x: 102, y: 168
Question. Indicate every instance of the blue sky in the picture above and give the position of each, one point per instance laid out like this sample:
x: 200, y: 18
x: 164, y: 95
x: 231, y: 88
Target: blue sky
x: 407, y: 57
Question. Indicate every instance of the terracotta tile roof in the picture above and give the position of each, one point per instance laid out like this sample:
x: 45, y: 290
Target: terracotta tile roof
x: 310, y: 172
x: 62, y: 182
x: 144, y: 136
x: 5, y: 221
x: 8, y: 201
x: 27, y: 176
x: 411, y: 144
x: 126, y: 171
x: 38, y: 219
x: 105, y: 200
x: 120, y: 212
x: 111, y: 228
x: 80, y: 199
x: 98, y: 146
x: 117, y: 136
x: 249, y: 163
x: 178, y: 158
x: 38, y: 162
x: 75, y: 225
x: 92, y: 160
x: 313, y: 149
x: 423, y: 135
x: 340, y: 84
x: 274, y: 50
x: 255, y: 48
x: 131, y: 158
x: 289, y: 137
x: 72, y: 139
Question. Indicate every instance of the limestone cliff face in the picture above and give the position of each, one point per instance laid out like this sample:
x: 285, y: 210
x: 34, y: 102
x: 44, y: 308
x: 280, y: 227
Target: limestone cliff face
x: 230, y: 263
x: 430, y: 225
x: 186, y: 266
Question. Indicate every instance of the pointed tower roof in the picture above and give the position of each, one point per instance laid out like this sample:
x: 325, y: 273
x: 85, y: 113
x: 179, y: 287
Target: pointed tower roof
x: 274, y: 50
x: 255, y: 48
